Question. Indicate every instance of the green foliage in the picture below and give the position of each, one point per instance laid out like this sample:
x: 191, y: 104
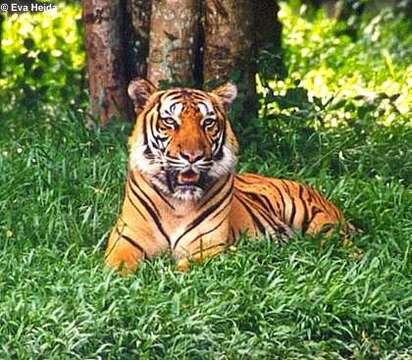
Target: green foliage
x: 43, y: 58
x: 334, y: 79
x: 346, y: 103
x: 334, y: 122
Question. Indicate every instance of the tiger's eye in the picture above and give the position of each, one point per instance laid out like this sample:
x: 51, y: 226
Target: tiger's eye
x: 208, y: 122
x: 169, y: 122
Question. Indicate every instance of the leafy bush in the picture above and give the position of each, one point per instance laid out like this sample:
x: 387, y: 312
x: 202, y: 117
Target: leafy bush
x: 334, y: 73
x: 348, y: 98
x: 43, y: 58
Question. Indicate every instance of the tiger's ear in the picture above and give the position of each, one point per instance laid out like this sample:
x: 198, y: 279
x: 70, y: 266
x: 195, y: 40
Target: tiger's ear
x: 139, y: 91
x: 226, y: 92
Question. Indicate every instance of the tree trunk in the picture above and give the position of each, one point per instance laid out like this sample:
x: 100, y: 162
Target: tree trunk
x: 105, y: 61
x: 229, y: 50
x: 137, y: 37
x: 268, y: 31
x: 173, y: 39
x: 267, y: 28
x: 180, y: 42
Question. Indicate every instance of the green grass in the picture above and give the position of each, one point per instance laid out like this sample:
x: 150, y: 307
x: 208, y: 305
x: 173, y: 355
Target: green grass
x: 60, y: 191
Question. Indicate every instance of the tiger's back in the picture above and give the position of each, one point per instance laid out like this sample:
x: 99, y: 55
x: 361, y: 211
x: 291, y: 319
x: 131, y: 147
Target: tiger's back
x: 279, y: 208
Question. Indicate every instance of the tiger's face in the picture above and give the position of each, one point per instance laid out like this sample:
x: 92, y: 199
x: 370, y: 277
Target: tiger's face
x: 182, y: 140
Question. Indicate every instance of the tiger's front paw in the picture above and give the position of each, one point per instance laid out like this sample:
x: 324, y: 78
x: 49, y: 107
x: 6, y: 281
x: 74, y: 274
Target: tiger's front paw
x: 183, y: 265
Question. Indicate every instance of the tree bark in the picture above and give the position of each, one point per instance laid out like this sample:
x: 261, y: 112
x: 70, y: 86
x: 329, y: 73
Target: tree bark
x: 267, y: 27
x: 137, y: 37
x: 268, y: 31
x: 180, y: 42
x: 105, y: 59
x: 229, y: 50
x: 173, y: 38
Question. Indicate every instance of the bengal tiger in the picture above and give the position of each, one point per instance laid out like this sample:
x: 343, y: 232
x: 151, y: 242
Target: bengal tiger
x: 182, y: 193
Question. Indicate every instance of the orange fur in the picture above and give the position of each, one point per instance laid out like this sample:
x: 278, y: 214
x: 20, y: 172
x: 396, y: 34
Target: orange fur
x: 200, y: 222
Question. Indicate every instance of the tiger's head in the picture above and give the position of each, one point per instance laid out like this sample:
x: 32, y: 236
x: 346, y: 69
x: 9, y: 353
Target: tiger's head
x: 182, y: 140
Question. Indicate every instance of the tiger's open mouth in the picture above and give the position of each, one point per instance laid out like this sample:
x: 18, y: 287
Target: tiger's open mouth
x: 187, y: 180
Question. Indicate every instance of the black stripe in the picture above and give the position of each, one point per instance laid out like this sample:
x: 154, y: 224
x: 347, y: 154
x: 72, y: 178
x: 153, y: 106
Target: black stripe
x: 241, y: 179
x: 320, y: 199
x: 157, y: 191
x: 279, y: 209
x: 197, y: 94
x: 144, y: 130
x: 219, y: 154
x: 113, y: 247
x: 134, y: 205
x: 305, y: 210
x: 256, y: 221
x: 286, y: 187
x: 221, y: 115
x: 292, y: 215
x: 211, y: 196
x: 169, y: 94
x: 309, y: 191
x: 315, y: 212
x: 152, y: 214
x: 283, y: 201
x: 263, y: 201
x: 155, y: 146
x: 280, y: 228
x: 131, y: 242
x: 327, y: 206
x: 161, y: 139
x: 210, y: 247
x: 233, y: 235
x: 222, y: 209
x: 152, y: 129
x: 174, y: 94
x: 221, y: 142
x: 148, y: 153
x: 207, y: 232
x: 147, y: 118
x: 204, y: 215
x: 145, y: 195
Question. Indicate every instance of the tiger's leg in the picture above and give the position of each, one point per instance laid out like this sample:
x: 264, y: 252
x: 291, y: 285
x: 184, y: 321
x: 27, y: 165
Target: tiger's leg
x: 202, y: 247
x: 122, y: 252
x: 200, y: 255
x: 128, y: 246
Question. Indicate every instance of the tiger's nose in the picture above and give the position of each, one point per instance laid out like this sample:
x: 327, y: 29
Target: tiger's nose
x: 192, y: 155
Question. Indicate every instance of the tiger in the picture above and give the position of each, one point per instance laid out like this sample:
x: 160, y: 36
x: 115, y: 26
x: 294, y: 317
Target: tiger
x: 182, y: 194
